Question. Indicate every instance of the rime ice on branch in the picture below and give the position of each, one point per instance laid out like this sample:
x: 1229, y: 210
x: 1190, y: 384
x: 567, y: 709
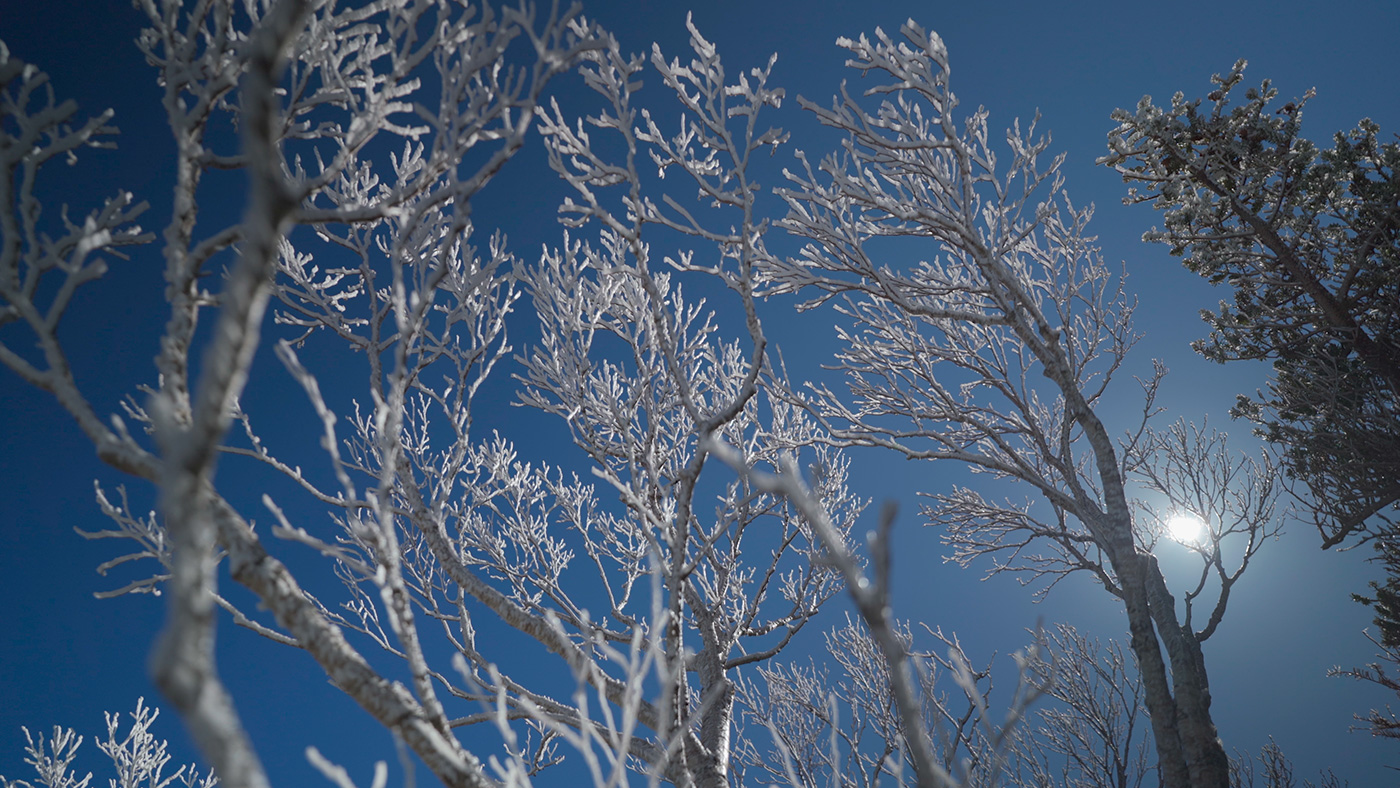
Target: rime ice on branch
x: 998, y: 353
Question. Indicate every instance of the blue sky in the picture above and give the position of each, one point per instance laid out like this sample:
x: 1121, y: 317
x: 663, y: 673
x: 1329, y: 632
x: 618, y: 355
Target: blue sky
x: 67, y: 657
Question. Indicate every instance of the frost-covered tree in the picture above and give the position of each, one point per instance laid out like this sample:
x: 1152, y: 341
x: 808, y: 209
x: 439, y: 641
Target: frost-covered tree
x: 997, y: 350
x: 366, y: 132
x: 838, y: 722
x: 138, y: 758
x: 315, y: 90
x: 715, y: 519
x: 1274, y: 771
x: 1092, y: 734
x: 1308, y: 241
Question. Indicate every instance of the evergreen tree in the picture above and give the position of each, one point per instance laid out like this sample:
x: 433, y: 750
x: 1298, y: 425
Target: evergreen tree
x: 1307, y: 240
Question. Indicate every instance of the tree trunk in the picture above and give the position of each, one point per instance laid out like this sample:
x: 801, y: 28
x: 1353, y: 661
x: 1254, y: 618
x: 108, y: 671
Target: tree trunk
x: 1205, y: 754
x: 1162, y: 710
x: 1189, y: 752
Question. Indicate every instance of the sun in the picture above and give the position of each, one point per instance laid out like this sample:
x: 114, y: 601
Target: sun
x: 1186, y: 527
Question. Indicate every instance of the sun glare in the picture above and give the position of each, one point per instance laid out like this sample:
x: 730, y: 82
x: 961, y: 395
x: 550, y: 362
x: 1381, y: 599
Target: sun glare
x: 1186, y: 527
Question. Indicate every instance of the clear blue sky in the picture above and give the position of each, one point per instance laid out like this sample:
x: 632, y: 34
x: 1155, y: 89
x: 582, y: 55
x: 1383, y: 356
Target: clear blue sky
x: 67, y: 657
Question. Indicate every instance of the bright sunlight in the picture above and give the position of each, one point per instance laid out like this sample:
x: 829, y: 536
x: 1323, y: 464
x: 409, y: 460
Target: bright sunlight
x: 1186, y: 527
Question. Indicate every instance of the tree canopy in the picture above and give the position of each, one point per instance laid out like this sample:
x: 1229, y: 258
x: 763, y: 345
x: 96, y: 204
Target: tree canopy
x: 1308, y: 241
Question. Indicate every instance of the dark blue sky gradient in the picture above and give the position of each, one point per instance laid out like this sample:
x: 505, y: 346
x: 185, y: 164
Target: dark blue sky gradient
x: 66, y: 657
